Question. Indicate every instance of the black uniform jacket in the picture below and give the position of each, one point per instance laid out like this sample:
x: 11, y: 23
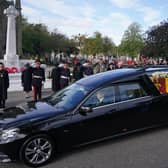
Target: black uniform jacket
x: 38, y: 76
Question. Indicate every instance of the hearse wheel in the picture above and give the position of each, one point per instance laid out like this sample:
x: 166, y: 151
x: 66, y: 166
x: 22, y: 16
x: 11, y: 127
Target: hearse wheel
x: 37, y: 150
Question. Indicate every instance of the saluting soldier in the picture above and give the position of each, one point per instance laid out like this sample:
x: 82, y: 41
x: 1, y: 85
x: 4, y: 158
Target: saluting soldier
x: 64, y: 76
x: 38, y: 78
x: 4, y: 85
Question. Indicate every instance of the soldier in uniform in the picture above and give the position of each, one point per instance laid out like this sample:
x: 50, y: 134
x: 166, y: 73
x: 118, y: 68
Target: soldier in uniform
x: 38, y: 78
x: 4, y: 85
x: 64, y: 76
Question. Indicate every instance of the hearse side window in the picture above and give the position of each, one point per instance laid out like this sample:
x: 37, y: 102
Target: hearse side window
x: 131, y: 91
x: 101, y: 97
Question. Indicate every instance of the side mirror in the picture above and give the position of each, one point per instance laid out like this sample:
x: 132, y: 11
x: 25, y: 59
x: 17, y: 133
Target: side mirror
x: 84, y: 110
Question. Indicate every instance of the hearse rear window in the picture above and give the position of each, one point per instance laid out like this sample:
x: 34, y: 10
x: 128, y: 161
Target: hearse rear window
x: 131, y: 91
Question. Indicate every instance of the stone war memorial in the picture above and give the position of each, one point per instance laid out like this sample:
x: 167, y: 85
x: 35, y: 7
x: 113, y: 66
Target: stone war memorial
x: 10, y: 57
x: 10, y: 33
x: 11, y: 41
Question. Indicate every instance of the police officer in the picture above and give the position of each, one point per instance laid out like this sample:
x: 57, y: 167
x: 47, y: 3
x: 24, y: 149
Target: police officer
x: 64, y: 76
x: 38, y: 78
x: 4, y: 85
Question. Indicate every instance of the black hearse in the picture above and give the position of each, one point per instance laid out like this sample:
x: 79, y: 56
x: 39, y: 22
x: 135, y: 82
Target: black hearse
x: 93, y: 109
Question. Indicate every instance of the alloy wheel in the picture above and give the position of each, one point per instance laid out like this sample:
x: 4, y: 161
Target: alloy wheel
x: 37, y: 151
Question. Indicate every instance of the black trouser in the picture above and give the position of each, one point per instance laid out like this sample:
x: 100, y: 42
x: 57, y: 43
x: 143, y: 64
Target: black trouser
x: 37, y: 92
x: 64, y: 83
x: 2, y: 103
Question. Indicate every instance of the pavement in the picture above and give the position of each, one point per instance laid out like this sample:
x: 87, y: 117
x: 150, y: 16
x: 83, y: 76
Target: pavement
x: 148, y: 149
x: 18, y: 97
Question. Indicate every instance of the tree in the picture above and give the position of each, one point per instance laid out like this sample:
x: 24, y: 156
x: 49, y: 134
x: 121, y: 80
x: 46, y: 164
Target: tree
x: 132, y: 41
x: 79, y: 40
x: 108, y: 46
x: 97, y: 45
x: 37, y: 40
x: 61, y: 43
x: 3, y: 26
x: 157, y: 41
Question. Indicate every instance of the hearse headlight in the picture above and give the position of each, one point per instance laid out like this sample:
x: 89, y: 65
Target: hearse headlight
x: 10, y: 135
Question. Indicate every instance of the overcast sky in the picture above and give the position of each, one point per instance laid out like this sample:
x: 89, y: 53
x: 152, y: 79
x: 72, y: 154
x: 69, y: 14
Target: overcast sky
x: 110, y: 17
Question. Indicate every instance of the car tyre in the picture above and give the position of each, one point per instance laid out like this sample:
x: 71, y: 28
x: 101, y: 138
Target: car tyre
x: 37, y: 150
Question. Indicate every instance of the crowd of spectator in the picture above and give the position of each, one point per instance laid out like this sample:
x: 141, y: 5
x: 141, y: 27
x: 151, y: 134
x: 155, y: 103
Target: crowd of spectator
x: 68, y: 71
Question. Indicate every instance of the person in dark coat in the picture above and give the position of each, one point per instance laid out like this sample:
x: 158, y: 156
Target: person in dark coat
x: 78, y: 72
x: 55, y: 76
x: 4, y: 85
x: 64, y: 76
x: 38, y: 78
x: 88, y: 70
x: 27, y: 79
x: 111, y: 66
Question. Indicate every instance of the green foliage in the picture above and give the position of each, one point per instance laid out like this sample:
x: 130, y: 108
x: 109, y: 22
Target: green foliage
x: 157, y: 41
x: 37, y: 40
x: 108, y: 46
x: 97, y: 45
x: 132, y: 41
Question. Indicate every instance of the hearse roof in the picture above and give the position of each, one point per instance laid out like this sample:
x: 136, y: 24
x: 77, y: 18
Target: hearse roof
x: 100, y: 79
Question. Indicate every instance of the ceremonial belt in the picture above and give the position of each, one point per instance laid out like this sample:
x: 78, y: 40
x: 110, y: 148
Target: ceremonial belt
x: 37, y: 77
x: 64, y: 77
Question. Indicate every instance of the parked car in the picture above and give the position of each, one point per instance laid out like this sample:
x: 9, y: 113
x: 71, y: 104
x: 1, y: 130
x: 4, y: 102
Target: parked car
x: 93, y: 109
